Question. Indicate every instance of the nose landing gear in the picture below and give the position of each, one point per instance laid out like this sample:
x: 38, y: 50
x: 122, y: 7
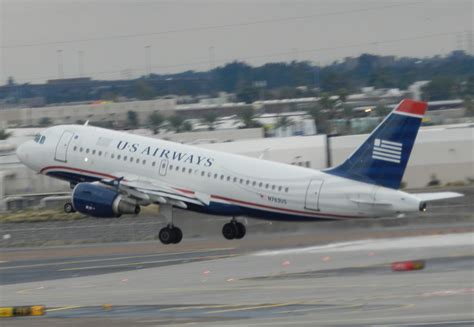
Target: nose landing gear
x: 68, y: 207
x: 233, y: 230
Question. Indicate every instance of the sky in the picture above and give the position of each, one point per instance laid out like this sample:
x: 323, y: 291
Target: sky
x: 113, y: 39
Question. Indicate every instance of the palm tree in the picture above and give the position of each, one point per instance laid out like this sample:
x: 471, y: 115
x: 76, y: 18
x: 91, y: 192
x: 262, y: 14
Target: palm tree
x: 283, y: 121
x: 176, y: 122
x: 132, y: 119
x: 156, y: 120
x: 4, y: 134
x: 247, y: 116
x: 320, y: 118
x: 210, y: 119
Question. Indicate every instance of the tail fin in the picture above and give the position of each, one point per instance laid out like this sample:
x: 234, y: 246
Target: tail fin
x: 383, y: 157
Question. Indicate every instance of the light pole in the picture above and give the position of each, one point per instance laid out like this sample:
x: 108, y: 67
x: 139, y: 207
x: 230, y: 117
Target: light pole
x: 80, y: 63
x: 60, y: 63
x: 148, y: 60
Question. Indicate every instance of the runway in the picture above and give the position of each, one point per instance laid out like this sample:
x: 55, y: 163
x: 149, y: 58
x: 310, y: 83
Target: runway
x: 338, y: 284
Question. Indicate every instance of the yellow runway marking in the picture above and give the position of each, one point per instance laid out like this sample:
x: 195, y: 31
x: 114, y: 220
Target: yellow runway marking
x: 117, y: 258
x: 65, y: 308
x: 262, y: 306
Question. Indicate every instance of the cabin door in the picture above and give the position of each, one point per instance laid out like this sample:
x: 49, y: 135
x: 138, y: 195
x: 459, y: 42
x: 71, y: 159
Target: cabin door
x: 312, y: 194
x: 63, y: 145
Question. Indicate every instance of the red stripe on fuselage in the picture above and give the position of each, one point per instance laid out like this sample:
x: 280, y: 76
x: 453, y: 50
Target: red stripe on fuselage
x: 78, y: 170
x: 319, y: 214
x: 277, y: 208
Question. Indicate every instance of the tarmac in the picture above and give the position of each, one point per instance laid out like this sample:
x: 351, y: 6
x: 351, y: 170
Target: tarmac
x: 273, y: 280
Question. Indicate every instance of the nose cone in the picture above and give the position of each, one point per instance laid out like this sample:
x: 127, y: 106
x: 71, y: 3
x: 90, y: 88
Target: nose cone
x: 21, y: 153
x: 24, y: 153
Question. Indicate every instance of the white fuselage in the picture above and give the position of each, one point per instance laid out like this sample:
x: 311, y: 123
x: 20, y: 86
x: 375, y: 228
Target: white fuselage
x: 254, y: 187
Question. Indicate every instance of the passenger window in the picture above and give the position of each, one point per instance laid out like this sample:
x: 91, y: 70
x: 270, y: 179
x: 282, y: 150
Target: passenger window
x: 154, y: 164
x: 273, y: 187
x: 260, y: 184
x: 228, y: 178
x: 209, y: 174
x: 247, y: 182
x: 93, y: 151
x: 202, y: 173
x: 222, y: 177
x: 100, y: 153
x: 266, y: 185
x: 279, y: 188
x: 75, y: 148
x: 171, y: 166
x: 118, y: 157
x: 183, y: 170
x: 112, y: 155
x: 190, y: 170
x: 241, y: 181
x: 80, y: 149
x: 235, y: 179
x: 254, y: 183
x: 138, y: 160
x: 286, y: 189
x: 87, y: 150
x: 144, y: 162
x: 125, y: 158
x: 177, y: 168
x: 131, y: 159
x: 215, y: 175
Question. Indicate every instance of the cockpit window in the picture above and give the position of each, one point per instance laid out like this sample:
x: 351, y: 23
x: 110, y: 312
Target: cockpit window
x: 39, y: 138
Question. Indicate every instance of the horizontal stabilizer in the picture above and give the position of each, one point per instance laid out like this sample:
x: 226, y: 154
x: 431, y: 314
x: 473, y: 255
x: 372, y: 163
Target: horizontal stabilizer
x: 368, y: 202
x: 437, y: 196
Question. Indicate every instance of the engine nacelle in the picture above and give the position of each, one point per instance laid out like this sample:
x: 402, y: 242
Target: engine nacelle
x: 99, y: 201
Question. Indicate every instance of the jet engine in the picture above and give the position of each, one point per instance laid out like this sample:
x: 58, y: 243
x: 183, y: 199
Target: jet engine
x: 102, y: 202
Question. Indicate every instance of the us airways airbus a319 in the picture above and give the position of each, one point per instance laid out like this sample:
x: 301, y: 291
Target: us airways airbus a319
x: 113, y: 173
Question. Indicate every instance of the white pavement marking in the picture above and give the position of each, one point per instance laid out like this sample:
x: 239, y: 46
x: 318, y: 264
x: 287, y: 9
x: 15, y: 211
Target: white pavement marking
x: 382, y: 244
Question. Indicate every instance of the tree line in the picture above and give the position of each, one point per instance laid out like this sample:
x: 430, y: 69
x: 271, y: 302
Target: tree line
x: 451, y: 76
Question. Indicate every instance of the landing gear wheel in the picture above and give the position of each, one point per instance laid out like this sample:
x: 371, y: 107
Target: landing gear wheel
x: 240, y: 230
x: 170, y: 235
x: 178, y: 235
x: 166, y: 235
x: 68, y: 208
x: 137, y: 209
x: 229, y: 231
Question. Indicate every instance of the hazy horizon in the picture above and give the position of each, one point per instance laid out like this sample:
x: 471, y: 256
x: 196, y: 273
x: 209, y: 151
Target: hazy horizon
x: 107, y: 39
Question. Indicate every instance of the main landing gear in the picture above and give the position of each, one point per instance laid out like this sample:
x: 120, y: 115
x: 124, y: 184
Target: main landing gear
x: 233, y: 230
x: 68, y: 207
x: 169, y: 234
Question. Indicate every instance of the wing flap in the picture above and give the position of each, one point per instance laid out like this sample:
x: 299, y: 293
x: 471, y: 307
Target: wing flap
x: 152, y: 191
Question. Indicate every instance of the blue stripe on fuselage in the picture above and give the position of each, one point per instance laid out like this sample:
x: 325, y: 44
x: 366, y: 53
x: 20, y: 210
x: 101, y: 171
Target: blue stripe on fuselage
x: 214, y: 208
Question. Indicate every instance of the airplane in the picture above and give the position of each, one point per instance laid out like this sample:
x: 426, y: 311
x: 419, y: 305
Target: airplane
x: 113, y: 173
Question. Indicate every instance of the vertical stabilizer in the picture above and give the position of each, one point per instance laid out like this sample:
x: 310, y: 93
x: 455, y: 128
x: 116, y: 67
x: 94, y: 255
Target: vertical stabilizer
x: 383, y: 157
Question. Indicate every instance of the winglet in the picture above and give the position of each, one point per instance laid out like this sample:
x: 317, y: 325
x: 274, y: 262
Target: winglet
x: 409, y: 106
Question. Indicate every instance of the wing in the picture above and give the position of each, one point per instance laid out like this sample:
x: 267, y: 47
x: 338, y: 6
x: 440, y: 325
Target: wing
x: 437, y: 196
x: 147, y: 191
